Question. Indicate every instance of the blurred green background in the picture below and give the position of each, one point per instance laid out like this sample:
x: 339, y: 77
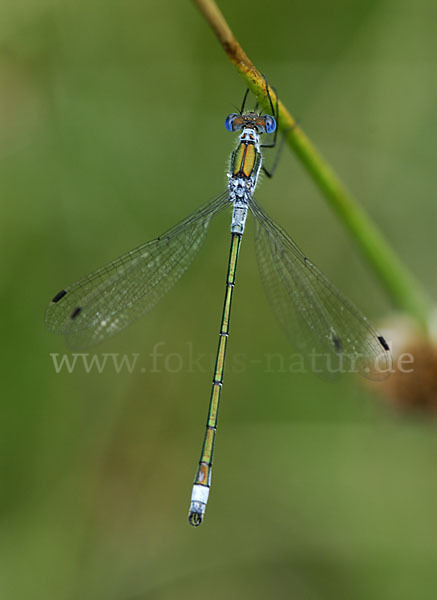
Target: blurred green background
x: 111, y: 130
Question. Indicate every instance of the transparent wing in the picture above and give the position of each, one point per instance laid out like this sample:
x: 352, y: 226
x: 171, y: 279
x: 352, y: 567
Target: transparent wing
x: 325, y: 326
x: 108, y: 300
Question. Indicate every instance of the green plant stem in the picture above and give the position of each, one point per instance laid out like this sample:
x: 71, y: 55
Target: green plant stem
x: 400, y: 284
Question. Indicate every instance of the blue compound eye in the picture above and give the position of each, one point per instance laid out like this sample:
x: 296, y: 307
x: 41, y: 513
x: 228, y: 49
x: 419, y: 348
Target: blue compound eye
x: 229, y: 122
x: 270, y: 124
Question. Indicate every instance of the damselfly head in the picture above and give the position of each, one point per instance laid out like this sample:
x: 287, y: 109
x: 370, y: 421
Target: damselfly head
x: 263, y: 124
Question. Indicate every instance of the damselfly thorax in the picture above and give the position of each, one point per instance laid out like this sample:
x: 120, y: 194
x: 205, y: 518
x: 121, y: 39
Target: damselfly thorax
x: 246, y: 161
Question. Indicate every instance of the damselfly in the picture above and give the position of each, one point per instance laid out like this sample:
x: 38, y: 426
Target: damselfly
x: 315, y: 316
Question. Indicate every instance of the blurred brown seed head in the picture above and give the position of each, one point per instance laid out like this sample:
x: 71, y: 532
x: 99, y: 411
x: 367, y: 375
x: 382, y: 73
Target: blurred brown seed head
x: 413, y: 383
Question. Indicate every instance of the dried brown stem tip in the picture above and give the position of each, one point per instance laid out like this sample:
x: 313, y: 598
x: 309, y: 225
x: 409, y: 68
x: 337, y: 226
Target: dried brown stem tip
x: 255, y: 80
